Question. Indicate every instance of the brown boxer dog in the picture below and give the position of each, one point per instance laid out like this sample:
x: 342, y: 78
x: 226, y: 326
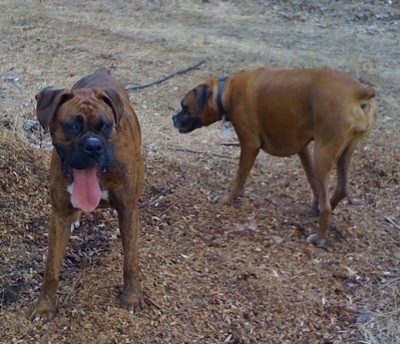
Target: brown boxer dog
x: 281, y: 112
x: 96, y: 162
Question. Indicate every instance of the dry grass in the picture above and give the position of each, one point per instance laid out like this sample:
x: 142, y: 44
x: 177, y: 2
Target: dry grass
x: 211, y: 274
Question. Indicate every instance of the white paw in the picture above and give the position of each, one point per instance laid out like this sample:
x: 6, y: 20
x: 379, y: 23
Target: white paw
x: 75, y: 225
x: 312, y: 239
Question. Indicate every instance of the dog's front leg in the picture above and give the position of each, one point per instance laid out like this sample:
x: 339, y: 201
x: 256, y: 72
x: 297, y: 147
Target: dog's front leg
x: 248, y: 155
x: 132, y: 297
x: 59, y: 233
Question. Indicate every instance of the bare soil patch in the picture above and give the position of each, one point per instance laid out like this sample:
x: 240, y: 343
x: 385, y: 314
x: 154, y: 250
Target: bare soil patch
x: 211, y: 273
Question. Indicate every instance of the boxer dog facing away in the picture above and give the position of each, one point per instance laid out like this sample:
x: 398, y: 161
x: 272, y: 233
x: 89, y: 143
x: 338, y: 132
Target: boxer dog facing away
x: 96, y: 162
x: 281, y: 112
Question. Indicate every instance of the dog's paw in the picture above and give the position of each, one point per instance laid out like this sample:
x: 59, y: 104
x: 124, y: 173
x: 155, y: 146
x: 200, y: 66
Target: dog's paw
x: 313, y: 240
x: 132, y: 302
x: 44, y: 310
x: 75, y: 221
x: 226, y: 200
x: 75, y: 225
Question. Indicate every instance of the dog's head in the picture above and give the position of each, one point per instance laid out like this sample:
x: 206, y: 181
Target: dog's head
x: 82, y: 125
x: 198, y: 108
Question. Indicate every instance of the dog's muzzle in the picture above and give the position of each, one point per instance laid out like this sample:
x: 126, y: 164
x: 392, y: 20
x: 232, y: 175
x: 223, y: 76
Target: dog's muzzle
x: 186, y: 125
x: 87, y: 152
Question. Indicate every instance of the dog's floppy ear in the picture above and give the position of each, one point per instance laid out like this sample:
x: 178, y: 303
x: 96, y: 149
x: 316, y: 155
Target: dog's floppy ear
x: 48, y: 101
x: 113, y: 100
x: 202, y: 93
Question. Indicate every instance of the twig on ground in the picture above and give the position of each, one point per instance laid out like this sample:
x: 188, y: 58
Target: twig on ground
x: 230, y: 144
x: 154, y: 199
x: 202, y: 152
x: 165, y: 210
x: 392, y: 221
x: 180, y: 71
x: 73, y: 287
x: 152, y: 303
x: 384, y: 274
x: 394, y: 280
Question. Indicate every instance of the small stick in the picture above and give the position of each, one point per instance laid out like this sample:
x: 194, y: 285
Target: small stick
x: 73, y: 287
x: 156, y: 198
x: 392, y: 221
x: 202, y: 152
x: 230, y: 144
x: 152, y: 303
x: 180, y: 71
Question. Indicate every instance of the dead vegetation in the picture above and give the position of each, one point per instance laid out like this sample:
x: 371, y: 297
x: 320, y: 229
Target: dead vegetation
x: 210, y: 273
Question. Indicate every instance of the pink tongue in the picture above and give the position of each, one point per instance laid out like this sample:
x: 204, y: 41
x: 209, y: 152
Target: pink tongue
x: 86, y: 193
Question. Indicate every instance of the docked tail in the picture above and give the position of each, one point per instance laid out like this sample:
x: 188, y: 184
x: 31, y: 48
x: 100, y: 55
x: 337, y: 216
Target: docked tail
x: 366, y: 96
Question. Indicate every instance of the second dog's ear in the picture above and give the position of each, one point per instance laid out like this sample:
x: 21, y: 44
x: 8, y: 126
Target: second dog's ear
x: 48, y: 101
x: 202, y: 93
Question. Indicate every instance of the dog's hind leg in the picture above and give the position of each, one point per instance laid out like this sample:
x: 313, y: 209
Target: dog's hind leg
x: 342, y: 167
x: 305, y: 159
x: 324, y: 160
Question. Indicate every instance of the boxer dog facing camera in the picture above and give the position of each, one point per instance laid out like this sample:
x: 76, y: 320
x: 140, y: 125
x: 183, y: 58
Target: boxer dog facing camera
x: 96, y: 162
x: 281, y: 112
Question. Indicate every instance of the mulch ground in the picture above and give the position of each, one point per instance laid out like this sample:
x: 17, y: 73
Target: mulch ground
x: 210, y: 273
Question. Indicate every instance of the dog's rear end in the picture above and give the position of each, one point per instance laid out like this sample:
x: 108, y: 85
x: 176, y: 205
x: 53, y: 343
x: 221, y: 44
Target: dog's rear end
x: 342, y: 117
x: 295, y: 107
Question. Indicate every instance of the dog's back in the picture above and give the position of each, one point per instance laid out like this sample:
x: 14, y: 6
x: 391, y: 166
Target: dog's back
x: 304, y: 96
x: 301, y: 83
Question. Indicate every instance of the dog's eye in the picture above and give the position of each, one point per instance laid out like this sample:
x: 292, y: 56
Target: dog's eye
x: 74, y: 128
x: 104, y: 127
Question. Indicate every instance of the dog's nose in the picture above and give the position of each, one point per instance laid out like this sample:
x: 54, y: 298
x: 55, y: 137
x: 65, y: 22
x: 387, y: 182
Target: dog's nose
x: 93, y: 146
x: 175, y: 120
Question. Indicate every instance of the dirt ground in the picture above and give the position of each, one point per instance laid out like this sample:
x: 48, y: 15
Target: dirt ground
x: 210, y: 273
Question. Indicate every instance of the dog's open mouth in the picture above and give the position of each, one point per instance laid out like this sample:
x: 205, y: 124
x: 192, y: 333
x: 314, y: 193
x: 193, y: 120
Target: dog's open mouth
x: 86, y: 192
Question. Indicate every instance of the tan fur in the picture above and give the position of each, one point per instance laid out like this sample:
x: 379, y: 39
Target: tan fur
x: 281, y: 112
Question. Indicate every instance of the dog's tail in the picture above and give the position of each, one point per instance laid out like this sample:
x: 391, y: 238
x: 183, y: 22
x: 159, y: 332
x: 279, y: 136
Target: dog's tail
x: 366, y: 96
x: 366, y: 92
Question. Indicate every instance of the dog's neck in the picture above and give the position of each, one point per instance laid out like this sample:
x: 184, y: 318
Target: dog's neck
x: 221, y: 109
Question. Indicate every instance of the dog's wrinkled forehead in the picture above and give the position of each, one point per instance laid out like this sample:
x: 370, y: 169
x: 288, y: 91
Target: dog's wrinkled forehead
x: 80, y: 114
x: 85, y: 107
